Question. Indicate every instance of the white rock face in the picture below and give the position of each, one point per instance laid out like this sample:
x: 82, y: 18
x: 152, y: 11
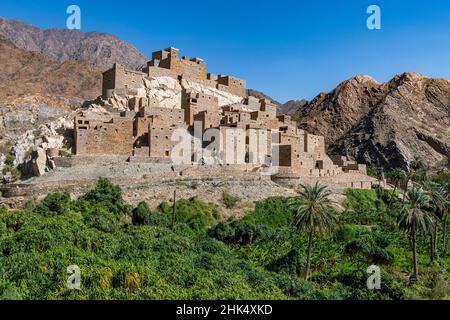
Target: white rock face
x: 118, y: 102
x: 2, y: 163
x: 166, y: 90
x: 43, y: 138
x: 225, y: 98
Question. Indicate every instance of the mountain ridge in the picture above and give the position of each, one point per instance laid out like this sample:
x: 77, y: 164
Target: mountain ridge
x: 386, y: 124
x: 100, y: 49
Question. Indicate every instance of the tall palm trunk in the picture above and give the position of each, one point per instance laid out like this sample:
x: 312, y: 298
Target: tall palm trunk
x: 431, y: 247
x: 308, y: 260
x: 444, y: 235
x: 406, y: 189
x: 414, y: 244
x: 436, y: 238
x: 393, y: 193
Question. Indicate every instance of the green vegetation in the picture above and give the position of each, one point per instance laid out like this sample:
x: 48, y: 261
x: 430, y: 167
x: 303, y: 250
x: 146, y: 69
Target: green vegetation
x: 314, y: 213
x: 229, y: 200
x: 9, y: 166
x: 127, y: 252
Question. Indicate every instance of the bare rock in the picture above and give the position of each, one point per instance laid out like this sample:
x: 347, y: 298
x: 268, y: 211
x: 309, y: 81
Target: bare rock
x: 386, y: 124
x: 39, y: 162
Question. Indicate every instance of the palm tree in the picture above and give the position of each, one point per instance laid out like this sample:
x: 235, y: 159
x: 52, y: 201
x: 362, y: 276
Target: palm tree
x: 414, y: 169
x: 414, y: 218
x: 315, y: 214
x: 397, y: 175
x: 436, y: 193
x: 445, y: 217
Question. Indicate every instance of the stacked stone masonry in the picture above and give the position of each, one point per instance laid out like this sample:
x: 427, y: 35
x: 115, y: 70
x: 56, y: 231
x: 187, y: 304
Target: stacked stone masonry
x: 249, y: 132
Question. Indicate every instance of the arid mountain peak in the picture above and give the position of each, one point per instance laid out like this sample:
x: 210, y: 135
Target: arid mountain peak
x: 100, y: 49
x: 388, y: 124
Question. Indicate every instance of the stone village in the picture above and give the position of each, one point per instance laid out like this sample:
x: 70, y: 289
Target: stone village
x: 172, y: 124
x: 142, y: 119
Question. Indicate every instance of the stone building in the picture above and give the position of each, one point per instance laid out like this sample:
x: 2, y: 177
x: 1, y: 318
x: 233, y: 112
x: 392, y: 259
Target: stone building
x: 247, y: 132
x: 167, y: 63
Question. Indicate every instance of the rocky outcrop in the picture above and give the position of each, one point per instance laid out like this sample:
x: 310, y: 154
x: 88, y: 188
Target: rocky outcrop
x: 39, y: 162
x: 167, y: 91
x: 225, y: 98
x: 26, y: 129
x: 386, y: 124
x: 292, y: 107
x: 100, y: 49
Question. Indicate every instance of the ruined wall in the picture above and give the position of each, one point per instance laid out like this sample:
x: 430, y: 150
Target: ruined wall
x: 258, y: 150
x: 121, y: 78
x: 232, y: 145
x: 160, y: 141
x: 208, y: 119
x: 193, y: 103
x: 150, y: 116
x: 233, y: 85
x: 169, y: 59
x: 315, y: 144
x: 112, y: 137
x: 269, y: 108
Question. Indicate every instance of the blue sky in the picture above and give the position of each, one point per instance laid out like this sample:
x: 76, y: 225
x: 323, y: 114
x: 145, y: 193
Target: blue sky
x: 287, y: 49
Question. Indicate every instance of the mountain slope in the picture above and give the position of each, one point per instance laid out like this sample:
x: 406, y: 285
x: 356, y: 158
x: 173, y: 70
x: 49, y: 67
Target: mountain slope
x: 100, y: 49
x: 29, y: 73
x: 261, y: 95
x: 385, y: 124
x: 292, y: 107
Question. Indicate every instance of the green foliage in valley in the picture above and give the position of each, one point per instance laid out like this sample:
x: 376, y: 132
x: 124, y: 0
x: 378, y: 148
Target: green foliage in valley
x: 127, y: 252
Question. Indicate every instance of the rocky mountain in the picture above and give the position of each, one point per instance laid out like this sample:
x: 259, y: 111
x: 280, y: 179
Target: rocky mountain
x: 262, y: 95
x: 288, y: 108
x: 61, y: 45
x: 29, y: 73
x: 386, y: 124
x: 292, y: 107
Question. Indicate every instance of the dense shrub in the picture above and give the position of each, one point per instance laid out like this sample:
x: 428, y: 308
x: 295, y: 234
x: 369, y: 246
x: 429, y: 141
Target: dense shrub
x: 356, y: 286
x: 442, y: 177
x: 367, y: 244
x: 194, y: 212
x: 238, y: 232
x: 102, y: 219
x: 141, y: 214
x: 54, y: 203
x: 273, y: 213
x: 293, y: 264
x: 345, y: 233
x: 108, y: 196
x: 366, y: 206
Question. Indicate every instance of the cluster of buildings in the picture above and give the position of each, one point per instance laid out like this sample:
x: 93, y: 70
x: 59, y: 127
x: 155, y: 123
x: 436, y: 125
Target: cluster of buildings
x: 248, y: 134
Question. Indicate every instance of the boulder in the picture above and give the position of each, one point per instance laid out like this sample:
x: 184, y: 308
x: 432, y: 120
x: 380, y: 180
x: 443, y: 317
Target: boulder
x: 52, y: 152
x: 39, y: 162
